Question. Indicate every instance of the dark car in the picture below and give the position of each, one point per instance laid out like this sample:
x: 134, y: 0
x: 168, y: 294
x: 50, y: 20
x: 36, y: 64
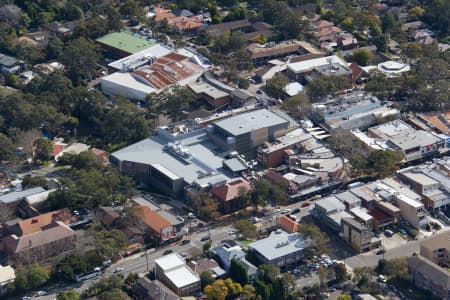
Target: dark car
x: 184, y: 242
x: 168, y: 251
x: 380, y: 251
x: 305, y: 204
x: 205, y: 238
x: 295, y: 211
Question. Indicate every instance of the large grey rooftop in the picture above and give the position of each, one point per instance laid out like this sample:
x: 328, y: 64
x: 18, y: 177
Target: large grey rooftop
x: 278, y: 244
x: 250, y: 121
x: 203, y: 165
x: 330, y: 203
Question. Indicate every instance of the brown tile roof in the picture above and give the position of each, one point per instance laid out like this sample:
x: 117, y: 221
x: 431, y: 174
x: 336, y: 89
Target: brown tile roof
x: 220, y: 28
x: 379, y: 215
x: 37, y: 223
x: 53, y: 232
x: 57, y: 148
x: 162, y: 14
x: 107, y: 215
x: 439, y: 121
x: 203, y: 265
x: 288, y: 224
x: 168, y: 70
x: 150, y: 218
x: 230, y: 190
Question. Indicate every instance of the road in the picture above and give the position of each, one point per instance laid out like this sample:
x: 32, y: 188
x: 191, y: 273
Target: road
x: 138, y: 263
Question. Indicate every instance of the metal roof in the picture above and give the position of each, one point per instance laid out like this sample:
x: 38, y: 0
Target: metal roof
x: 16, y: 196
x: 125, y: 41
x: 278, y: 244
x: 250, y: 121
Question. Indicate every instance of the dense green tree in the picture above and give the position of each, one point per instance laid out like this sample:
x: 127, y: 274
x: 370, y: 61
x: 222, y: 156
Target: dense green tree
x: 29, y: 182
x: 68, y: 295
x: 54, y: 48
x: 238, y: 273
x: 206, y: 278
x: 246, y: 228
x: 340, y: 271
x: 80, y: 57
x: 326, y: 85
x: 31, y: 278
x: 384, y: 163
x: 70, y: 266
x: 114, y: 20
x: 109, y: 243
x: 299, y: 106
x: 436, y: 14
x: 6, y: 147
x: 362, y: 56
x: 319, y: 239
x: 42, y: 149
x: 275, y: 86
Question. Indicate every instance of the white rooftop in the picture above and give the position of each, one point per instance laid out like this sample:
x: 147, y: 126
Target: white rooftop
x: 308, y: 65
x: 293, y: 88
x: 132, y: 61
x: 250, y: 121
x: 409, y: 201
x: 7, y: 274
x: 170, y: 262
x: 182, y: 276
x: 361, y: 213
x: 124, y: 84
x: 393, y: 67
x: 278, y: 244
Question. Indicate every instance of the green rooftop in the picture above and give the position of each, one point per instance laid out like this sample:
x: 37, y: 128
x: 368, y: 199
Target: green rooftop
x: 125, y: 41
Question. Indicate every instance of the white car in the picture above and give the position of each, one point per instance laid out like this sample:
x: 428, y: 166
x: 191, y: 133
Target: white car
x: 286, y: 210
x: 41, y: 293
x: 118, y: 270
x: 231, y: 232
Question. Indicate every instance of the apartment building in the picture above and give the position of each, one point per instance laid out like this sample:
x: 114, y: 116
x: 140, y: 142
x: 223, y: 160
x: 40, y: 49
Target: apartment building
x: 358, y: 236
x: 437, y: 249
x: 429, y: 276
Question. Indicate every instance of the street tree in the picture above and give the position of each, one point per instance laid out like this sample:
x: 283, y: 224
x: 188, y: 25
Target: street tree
x: 319, y: 239
x: 6, y: 147
x: 362, y: 56
x: 42, y: 149
x: 31, y: 278
x: 275, y: 86
x: 68, y: 295
x: 299, y: 106
x: 238, y: 273
x: 246, y: 228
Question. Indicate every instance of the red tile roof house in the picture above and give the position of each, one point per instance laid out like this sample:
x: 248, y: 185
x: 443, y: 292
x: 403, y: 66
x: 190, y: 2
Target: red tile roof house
x: 229, y: 195
x: 156, y: 227
x: 39, y: 238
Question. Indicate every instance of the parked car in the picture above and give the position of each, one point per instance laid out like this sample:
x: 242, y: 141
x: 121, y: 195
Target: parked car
x: 41, y: 293
x: 168, y: 251
x: 380, y: 251
x: 286, y: 211
x: 305, y: 204
x: 381, y: 278
x: 203, y: 239
x: 231, y: 232
x: 388, y: 233
x: 184, y: 242
x: 118, y: 270
x: 295, y: 210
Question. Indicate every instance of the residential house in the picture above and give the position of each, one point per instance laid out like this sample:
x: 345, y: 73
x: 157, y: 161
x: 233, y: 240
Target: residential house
x: 156, y: 227
x: 9, y: 64
x: 174, y: 273
x: 226, y: 253
x: 231, y: 195
x: 207, y: 265
x: 48, y: 241
x: 146, y: 289
x: 59, y: 30
x: 280, y: 248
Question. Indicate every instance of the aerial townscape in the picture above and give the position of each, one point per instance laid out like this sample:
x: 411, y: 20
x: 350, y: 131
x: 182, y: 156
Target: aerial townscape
x: 225, y: 149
